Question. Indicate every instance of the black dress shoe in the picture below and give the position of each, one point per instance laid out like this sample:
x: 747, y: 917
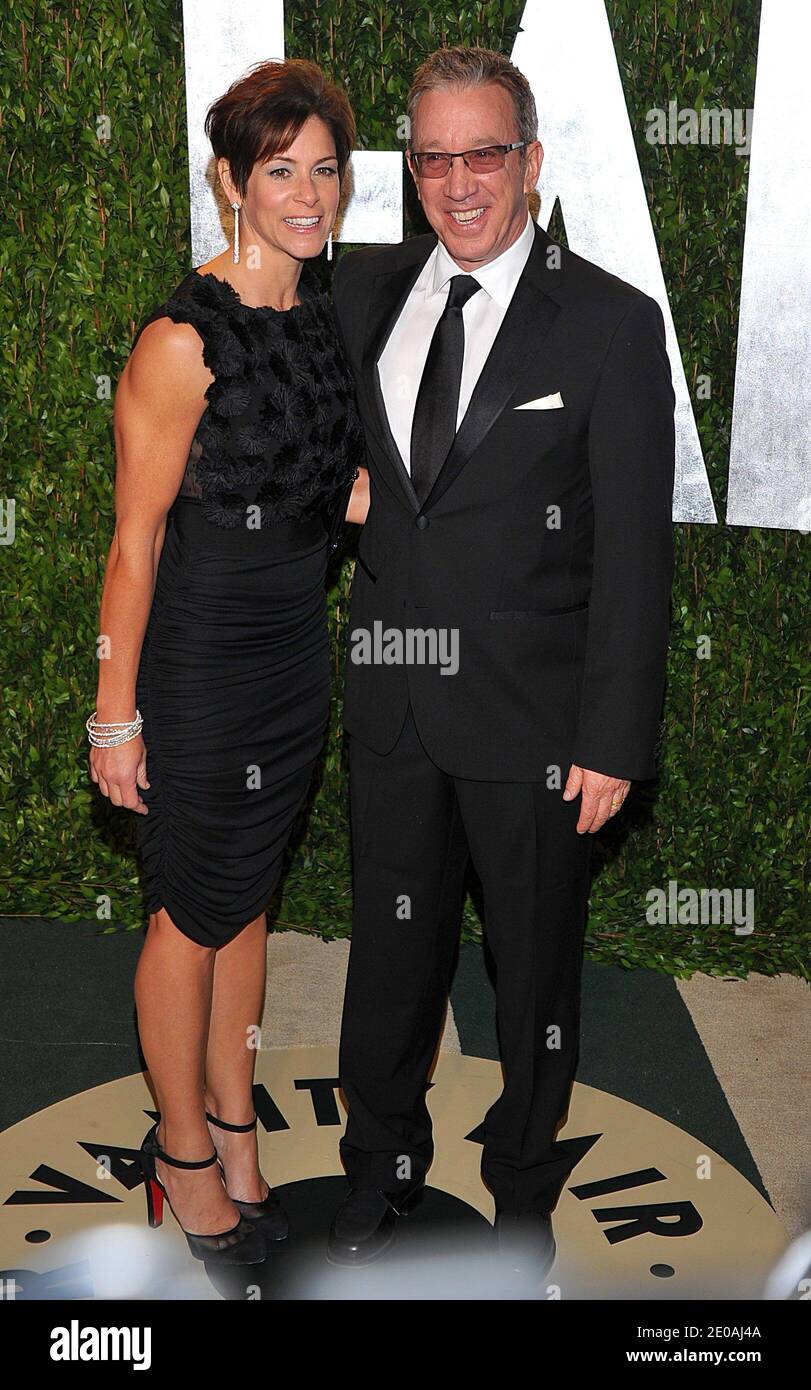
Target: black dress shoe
x: 365, y: 1224
x: 526, y: 1242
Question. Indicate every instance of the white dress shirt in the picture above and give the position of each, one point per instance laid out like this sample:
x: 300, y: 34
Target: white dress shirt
x: 403, y: 359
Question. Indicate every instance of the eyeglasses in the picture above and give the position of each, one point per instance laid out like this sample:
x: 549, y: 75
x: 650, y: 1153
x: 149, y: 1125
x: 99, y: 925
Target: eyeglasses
x: 432, y: 164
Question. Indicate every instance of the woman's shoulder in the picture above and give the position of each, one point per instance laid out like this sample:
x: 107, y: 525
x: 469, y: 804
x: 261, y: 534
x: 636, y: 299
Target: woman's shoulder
x: 194, y: 310
x: 197, y: 299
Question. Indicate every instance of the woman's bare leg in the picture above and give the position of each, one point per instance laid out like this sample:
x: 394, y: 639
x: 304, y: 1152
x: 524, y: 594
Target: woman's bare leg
x: 173, y: 992
x: 236, y: 1010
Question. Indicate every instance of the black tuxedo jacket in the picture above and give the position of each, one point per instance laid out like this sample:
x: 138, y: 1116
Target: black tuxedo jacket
x: 546, y: 541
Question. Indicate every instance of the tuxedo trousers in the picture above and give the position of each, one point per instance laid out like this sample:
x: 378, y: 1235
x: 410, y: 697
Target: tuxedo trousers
x: 414, y: 829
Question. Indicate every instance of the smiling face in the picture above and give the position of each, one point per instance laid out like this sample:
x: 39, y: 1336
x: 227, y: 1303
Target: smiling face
x: 291, y: 201
x: 475, y: 216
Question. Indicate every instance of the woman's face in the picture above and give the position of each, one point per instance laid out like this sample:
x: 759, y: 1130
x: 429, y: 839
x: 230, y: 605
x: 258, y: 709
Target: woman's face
x: 291, y: 200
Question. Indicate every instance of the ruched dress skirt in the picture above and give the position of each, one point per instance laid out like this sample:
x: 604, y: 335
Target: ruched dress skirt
x: 233, y: 686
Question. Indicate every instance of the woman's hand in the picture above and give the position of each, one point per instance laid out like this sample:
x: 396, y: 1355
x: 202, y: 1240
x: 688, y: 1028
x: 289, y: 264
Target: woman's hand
x: 358, y: 508
x: 120, y: 771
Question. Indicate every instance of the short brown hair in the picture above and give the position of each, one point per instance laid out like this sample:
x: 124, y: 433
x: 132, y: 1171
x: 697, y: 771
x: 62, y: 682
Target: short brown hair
x: 475, y: 67
x: 261, y: 114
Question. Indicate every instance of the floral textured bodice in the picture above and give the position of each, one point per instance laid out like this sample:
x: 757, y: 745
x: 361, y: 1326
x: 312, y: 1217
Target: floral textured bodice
x: 281, y: 430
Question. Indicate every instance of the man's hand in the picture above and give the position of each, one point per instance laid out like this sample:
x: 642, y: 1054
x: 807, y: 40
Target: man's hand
x: 602, y: 796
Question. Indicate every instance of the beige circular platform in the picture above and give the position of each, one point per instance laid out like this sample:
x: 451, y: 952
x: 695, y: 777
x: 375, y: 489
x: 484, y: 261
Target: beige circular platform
x: 648, y: 1211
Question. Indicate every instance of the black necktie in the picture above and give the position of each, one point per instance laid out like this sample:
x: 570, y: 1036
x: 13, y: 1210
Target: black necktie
x: 433, y: 429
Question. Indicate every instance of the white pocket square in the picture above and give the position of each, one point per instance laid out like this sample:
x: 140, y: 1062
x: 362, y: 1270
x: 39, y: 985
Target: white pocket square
x: 553, y: 402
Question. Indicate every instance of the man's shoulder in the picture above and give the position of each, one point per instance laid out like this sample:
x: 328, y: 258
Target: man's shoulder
x: 376, y: 260
x: 585, y: 283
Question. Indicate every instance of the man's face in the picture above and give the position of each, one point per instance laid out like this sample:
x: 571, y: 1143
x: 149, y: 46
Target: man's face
x: 475, y: 216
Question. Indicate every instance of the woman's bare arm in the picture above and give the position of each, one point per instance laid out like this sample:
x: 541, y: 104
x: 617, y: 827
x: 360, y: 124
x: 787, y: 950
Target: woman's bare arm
x: 158, y: 405
x: 358, y: 507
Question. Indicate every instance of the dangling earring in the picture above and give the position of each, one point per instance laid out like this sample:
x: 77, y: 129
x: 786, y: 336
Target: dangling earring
x: 235, y: 206
x: 329, y: 246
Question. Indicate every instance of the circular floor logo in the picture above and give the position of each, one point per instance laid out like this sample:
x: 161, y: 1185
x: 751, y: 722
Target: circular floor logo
x: 649, y: 1211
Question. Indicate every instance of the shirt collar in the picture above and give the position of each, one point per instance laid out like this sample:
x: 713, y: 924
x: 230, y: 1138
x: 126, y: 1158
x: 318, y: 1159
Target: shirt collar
x: 499, y: 277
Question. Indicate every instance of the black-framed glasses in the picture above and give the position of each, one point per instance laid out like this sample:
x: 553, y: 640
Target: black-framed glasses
x: 433, y: 164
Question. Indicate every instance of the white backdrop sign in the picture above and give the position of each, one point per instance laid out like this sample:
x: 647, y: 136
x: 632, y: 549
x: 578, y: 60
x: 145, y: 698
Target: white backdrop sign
x: 770, y: 458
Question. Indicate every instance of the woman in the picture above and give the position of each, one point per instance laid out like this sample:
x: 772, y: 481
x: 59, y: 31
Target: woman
x: 238, y: 447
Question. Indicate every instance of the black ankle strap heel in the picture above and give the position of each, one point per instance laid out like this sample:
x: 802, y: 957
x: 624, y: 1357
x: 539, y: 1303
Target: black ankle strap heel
x: 236, y: 1129
x: 269, y: 1216
x: 242, y: 1244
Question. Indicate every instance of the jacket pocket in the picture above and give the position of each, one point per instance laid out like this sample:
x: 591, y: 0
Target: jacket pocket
x: 540, y: 612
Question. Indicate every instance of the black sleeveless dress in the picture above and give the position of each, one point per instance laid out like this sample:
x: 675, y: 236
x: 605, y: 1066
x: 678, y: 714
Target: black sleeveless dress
x: 234, y: 677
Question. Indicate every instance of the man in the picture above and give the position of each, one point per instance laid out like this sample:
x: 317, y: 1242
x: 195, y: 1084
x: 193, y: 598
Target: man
x: 518, y: 409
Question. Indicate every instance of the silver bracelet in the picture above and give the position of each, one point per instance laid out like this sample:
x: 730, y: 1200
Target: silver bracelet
x: 111, y: 735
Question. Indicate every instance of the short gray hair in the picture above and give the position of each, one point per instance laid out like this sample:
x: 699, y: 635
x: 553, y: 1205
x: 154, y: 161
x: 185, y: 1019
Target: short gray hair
x: 475, y: 67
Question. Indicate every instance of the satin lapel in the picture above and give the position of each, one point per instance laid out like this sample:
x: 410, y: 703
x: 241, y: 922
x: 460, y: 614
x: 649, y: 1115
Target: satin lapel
x: 391, y: 290
x: 530, y: 315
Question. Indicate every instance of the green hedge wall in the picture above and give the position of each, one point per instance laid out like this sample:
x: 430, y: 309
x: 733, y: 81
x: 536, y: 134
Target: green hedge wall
x: 97, y: 230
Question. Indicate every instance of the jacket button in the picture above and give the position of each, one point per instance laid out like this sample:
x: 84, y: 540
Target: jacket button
x: 422, y: 523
